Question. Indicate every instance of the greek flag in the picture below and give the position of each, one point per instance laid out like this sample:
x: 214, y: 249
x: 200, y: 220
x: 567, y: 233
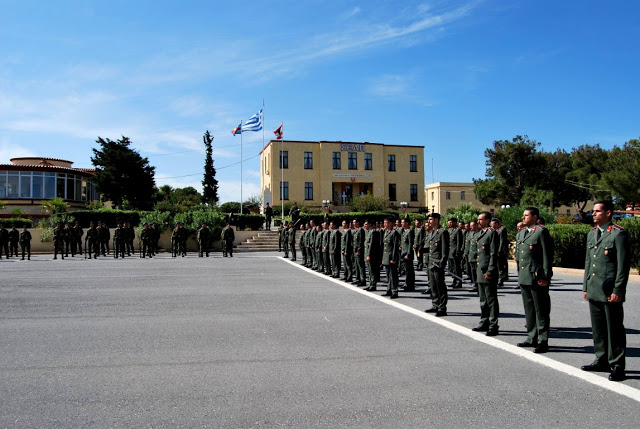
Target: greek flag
x: 254, y: 123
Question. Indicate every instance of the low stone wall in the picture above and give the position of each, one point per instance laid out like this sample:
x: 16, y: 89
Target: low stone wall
x: 38, y: 246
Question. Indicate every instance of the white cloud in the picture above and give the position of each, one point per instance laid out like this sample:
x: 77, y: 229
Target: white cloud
x: 229, y: 190
x: 8, y: 151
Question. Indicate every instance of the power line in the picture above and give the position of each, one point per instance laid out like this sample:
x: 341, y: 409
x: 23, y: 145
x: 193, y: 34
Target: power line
x: 217, y: 168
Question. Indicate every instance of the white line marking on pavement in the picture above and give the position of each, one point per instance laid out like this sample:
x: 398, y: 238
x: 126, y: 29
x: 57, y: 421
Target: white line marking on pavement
x: 616, y: 387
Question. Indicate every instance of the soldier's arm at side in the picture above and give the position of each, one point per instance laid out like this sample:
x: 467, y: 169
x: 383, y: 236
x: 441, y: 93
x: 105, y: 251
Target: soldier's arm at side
x: 623, y: 266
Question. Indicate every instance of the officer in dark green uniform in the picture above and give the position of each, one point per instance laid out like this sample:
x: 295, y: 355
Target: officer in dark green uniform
x: 487, y: 272
x: 606, y: 273
x: 372, y: 254
x: 58, y: 241
x: 471, y: 254
x: 534, y: 257
x: 418, y: 244
x: 347, y: 251
x: 391, y: 257
x: 326, y: 236
x: 14, y: 238
x: 268, y: 215
x: 204, y: 240
x: 438, y: 244
x: 77, y: 237
x: 311, y: 245
x: 503, y: 251
x: 92, y: 242
x: 291, y: 238
x: 25, y: 243
x: 455, y: 251
x: 406, y: 255
x: 4, y: 241
x: 145, y: 238
x: 319, y: 252
x: 68, y: 240
x: 358, y: 251
x: 284, y: 236
x: 118, y: 241
x: 228, y: 236
x: 301, y: 244
x: 335, y: 250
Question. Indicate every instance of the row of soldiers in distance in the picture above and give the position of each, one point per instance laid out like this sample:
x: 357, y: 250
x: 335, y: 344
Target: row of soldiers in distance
x: 460, y: 258
x: 68, y: 239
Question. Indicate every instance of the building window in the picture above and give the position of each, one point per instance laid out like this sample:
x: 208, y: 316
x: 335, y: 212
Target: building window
x: 284, y: 190
x: 368, y: 161
x: 353, y: 160
x: 447, y: 195
x: 413, y: 163
x: 413, y: 191
x: 308, y: 190
x: 462, y: 195
x: 392, y: 192
x: 308, y: 160
x: 432, y: 195
x: 284, y: 159
x: 392, y: 162
x: 337, y: 160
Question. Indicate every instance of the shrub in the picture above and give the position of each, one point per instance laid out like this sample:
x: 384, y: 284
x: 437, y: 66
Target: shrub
x: 512, y: 215
x: 19, y: 222
x: 109, y: 216
x: 569, y: 243
x: 368, y: 203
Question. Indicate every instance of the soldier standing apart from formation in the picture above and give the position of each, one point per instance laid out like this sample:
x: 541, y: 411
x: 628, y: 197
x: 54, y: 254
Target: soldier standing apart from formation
x: 455, y: 252
x: 77, y: 237
x: 347, y: 251
x: 606, y: 273
x: 535, y: 269
x: 503, y: 251
x: 391, y: 258
x: 58, y: 240
x: 487, y: 273
x: 358, y: 250
x: 406, y: 255
x: 91, y: 241
x: 268, y: 215
x: 291, y: 237
x: 418, y: 244
x: 228, y: 236
x: 4, y: 241
x: 25, y: 243
x: 438, y: 243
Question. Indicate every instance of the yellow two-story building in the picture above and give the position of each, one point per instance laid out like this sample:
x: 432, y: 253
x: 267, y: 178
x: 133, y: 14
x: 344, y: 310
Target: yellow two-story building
x: 310, y: 172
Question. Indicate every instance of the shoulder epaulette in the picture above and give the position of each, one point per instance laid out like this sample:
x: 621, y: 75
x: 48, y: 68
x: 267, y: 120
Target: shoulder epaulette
x: 618, y: 227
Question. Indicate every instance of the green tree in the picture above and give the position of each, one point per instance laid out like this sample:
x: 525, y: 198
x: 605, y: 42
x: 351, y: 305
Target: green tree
x: 368, y: 203
x: 177, y: 200
x: 512, y: 166
x: 209, y: 182
x: 122, y: 174
x: 623, y: 172
x: 585, y: 177
x: 464, y: 213
x: 54, y: 206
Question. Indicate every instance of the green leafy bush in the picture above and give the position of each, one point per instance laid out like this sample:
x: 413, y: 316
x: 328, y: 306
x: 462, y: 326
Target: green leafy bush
x: 109, y: 216
x: 19, y: 222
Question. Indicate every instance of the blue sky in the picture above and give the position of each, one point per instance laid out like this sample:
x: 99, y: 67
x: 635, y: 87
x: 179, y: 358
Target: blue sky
x: 452, y: 76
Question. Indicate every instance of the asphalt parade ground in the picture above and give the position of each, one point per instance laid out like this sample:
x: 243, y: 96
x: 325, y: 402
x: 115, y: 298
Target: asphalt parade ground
x: 258, y: 341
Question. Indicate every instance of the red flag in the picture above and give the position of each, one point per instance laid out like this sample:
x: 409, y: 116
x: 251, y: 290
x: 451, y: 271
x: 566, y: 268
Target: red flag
x: 278, y: 132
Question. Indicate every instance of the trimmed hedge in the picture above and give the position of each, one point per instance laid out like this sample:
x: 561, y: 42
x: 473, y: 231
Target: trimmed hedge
x: 19, y: 222
x: 570, y: 242
x: 109, y: 216
x: 372, y: 216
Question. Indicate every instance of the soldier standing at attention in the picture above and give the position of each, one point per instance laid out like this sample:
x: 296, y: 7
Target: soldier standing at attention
x: 4, y: 241
x: 77, y: 237
x: 204, y: 239
x: 14, y: 237
x: 268, y: 215
x: 280, y: 228
x: 335, y: 250
x: 58, y: 241
x: 418, y: 244
x: 291, y: 237
x: 319, y: 253
x: 606, y: 273
x: 25, y: 243
x: 372, y: 255
x: 463, y: 264
x: 391, y: 258
x: 92, y: 239
x: 425, y: 251
x: 68, y: 239
x: 183, y: 236
x: 438, y: 243
x: 346, y: 247
x: 471, y: 252
x: 406, y: 255
x: 310, y: 243
x: 503, y: 251
x: 129, y: 237
x: 326, y: 238
x: 228, y: 236
x: 535, y: 260
x: 358, y: 251
x: 145, y: 238
x: 105, y: 236
x: 118, y: 241
x: 455, y: 251
x: 284, y: 238
x: 487, y: 273
x: 302, y: 244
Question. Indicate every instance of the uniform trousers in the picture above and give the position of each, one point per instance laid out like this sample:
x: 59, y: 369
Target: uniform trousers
x: 392, y: 278
x: 609, y: 339
x: 537, y: 307
x: 439, y: 294
x: 489, y: 307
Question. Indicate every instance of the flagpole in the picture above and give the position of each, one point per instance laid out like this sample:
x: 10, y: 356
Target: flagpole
x: 282, y: 170
x: 241, y: 166
x: 263, y: 124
